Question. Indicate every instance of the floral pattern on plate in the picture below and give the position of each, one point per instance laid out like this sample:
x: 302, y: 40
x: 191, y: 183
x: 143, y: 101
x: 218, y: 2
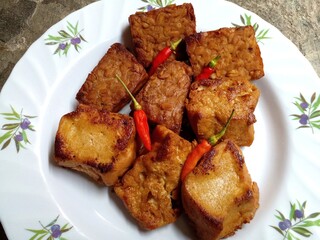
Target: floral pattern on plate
x: 52, y: 230
x: 16, y: 129
x: 309, y: 116
x: 154, y: 4
x: 297, y: 222
x: 66, y: 38
x: 246, y: 21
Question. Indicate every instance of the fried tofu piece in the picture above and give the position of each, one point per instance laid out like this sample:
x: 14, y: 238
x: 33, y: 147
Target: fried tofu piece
x: 101, y: 88
x: 238, y: 48
x: 219, y: 196
x: 150, y: 190
x: 98, y: 143
x: 211, y: 102
x: 163, y: 97
x: 154, y: 30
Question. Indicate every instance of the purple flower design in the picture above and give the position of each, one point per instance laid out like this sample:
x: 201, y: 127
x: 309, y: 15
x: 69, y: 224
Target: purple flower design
x: 16, y: 130
x: 53, y: 230
x: 66, y: 38
x: 309, y: 116
x: 18, y: 137
x: 154, y: 4
x: 296, y: 222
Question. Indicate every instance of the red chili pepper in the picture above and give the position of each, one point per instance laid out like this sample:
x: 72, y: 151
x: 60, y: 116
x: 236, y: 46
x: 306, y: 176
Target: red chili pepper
x: 163, y: 55
x: 203, y: 147
x: 140, y: 119
x: 208, y: 70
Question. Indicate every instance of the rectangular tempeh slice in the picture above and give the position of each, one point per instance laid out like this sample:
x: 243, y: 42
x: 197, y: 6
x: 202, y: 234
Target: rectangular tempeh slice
x: 101, y: 88
x: 152, y: 31
x: 238, y: 48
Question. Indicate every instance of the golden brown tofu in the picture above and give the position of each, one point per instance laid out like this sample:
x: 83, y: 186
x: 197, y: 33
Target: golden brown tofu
x: 163, y: 97
x: 218, y: 195
x: 238, y: 48
x: 152, y: 31
x: 150, y: 190
x: 98, y: 143
x: 101, y: 88
x: 211, y: 102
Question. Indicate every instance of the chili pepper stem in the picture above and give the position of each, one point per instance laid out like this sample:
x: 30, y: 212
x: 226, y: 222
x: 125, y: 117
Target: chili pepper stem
x: 215, y: 138
x: 136, y: 105
x: 174, y: 45
x: 214, y: 61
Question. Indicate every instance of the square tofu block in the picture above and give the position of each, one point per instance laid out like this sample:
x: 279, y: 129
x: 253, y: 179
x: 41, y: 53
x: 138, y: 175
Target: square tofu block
x: 219, y: 195
x: 151, y: 189
x: 238, y: 48
x: 163, y: 97
x: 152, y: 31
x: 101, y: 88
x: 98, y: 143
x: 211, y: 102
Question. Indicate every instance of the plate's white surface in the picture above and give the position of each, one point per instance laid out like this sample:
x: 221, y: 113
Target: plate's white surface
x: 283, y: 160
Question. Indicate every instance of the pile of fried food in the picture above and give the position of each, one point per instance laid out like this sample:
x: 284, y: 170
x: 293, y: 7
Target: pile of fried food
x: 218, y: 194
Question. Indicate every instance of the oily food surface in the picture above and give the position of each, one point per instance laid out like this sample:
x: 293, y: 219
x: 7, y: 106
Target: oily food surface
x: 154, y: 30
x: 96, y: 142
x: 148, y: 181
x: 150, y: 190
x: 211, y: 101
x: 219, y: 195
x: 163, y: 97
x: 239, y: 51
x: 102, y: 90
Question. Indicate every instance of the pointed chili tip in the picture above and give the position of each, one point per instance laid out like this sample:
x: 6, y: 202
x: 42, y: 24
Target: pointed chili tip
x: 214, y: 61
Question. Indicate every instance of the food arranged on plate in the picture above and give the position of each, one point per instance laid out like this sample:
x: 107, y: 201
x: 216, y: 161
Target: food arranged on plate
x: 193, y: 93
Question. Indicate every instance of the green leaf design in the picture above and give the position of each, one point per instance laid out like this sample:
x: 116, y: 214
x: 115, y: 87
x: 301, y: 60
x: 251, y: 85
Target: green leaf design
x: 17, y: 129
x: 46, y: 230
x: 302, y: 231
x: 246, y: 20
x: 310, y: 112
x: 296, y: 225
x: 155, y: 4
x: 278, y: 230
x: 65, y: 38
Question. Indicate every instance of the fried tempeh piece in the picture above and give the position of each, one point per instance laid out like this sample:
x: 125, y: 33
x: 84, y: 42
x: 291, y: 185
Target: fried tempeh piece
x: 98, y: 143
x: 218, y: 195
x: 152, y: 31
x: 150, y: 190
x: 164, y: 95
x: 102, y: 90
x: 211, y: 102
x: 238, y: 48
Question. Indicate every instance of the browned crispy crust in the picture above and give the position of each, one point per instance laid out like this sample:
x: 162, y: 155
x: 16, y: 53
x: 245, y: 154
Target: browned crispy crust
x: 238, y: 48
x: 102, y: 90
x: 150, y: 190
x: 164, y: 95
x: 98, y: 143
x: 211, y: 101
x: 152, y: 31
x: 218, y: 195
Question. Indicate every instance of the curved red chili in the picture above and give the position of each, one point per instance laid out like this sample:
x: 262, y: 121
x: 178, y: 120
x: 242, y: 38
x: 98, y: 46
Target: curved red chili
x: 162, y: 56
x: 208, y: 70
x: 203, y: 147
x: 140, y: 119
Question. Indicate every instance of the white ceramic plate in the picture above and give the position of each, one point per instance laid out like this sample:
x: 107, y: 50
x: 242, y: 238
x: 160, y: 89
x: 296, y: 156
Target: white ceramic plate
x: 38, y: 198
